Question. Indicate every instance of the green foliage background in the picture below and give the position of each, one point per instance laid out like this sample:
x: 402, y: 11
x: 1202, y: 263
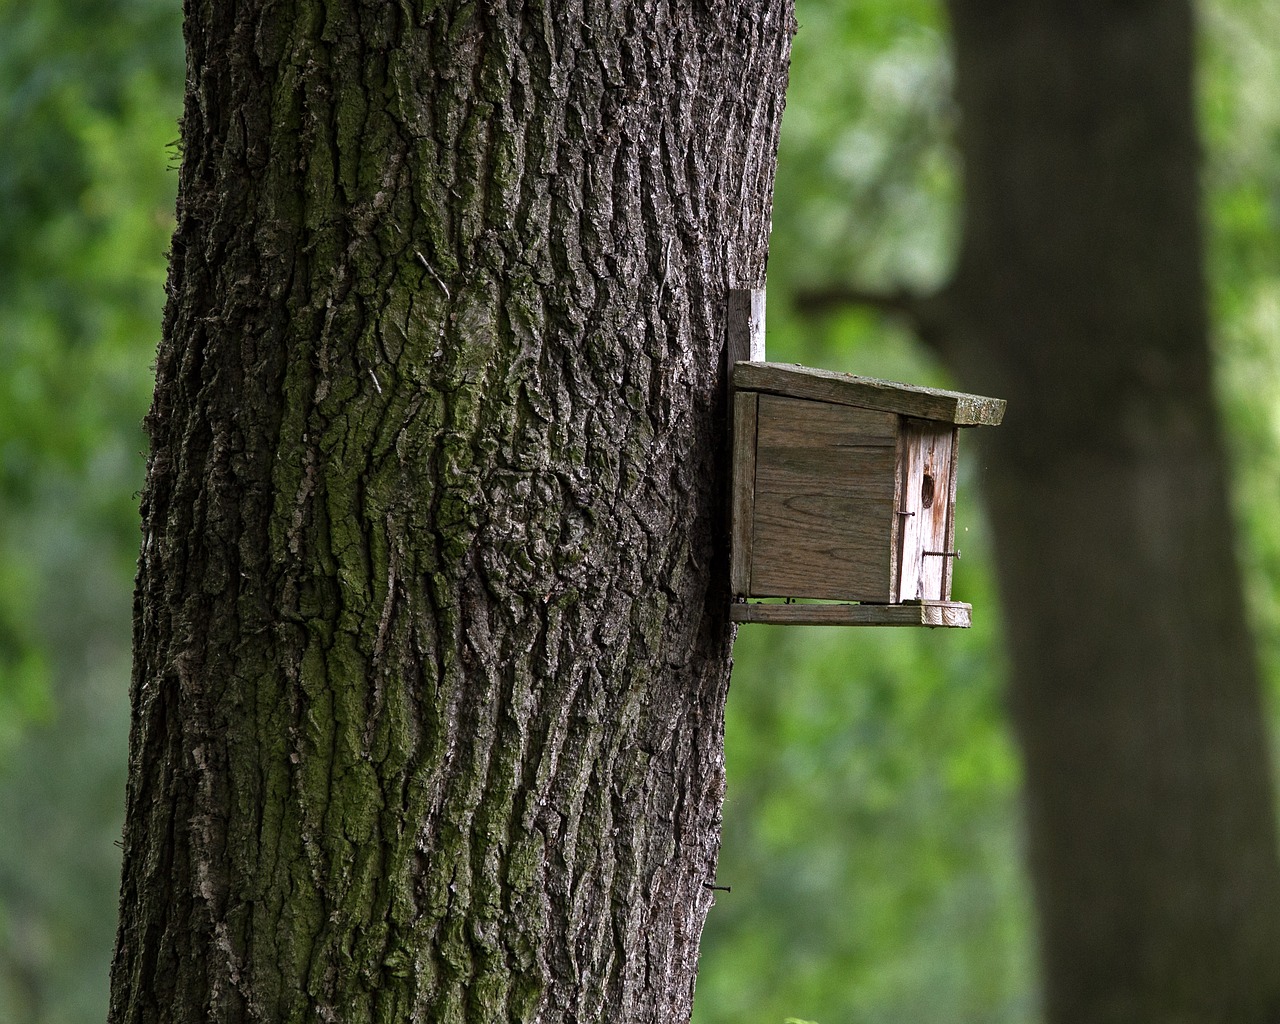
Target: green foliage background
x: 871, y: 828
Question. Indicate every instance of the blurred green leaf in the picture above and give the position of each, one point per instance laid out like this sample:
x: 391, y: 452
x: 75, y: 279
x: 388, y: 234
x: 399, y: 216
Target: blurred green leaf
x: 90, y: 91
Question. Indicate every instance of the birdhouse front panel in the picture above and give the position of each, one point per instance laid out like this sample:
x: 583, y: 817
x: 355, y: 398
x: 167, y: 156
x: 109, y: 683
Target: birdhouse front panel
x: 825, y: 491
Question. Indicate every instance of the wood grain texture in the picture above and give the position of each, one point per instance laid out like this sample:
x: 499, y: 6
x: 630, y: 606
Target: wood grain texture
x: 949, y: 533
x: 742, y: 504
x: 824, y: 501
x: 898, y: 519
x: 793, y: 423
x: 927, y: 489
x: 954, y: 614
x: 745, y: 315
x: 865, y: 392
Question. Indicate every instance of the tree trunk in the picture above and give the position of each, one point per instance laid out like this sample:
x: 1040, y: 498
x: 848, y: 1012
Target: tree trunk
x: 1080, y: 298
x: 431, y: 643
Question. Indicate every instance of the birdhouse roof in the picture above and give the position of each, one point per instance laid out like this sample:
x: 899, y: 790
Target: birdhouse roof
x: 867, y: 393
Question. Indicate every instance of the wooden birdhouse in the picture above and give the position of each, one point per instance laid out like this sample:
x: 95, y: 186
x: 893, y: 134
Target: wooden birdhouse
x: 844, y: 491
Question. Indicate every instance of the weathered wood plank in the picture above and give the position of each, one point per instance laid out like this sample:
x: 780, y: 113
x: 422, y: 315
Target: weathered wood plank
x: 801, y: 423
x: 954, y: 614
x: 887, y: 396
x: 816, y: 447
x: 819, y: 546
x: 950, y: 565
x: 898, y: 519
x: 745, y: 315
x: 927, y: 489
x: 824, y: 499
x: 742, y: 502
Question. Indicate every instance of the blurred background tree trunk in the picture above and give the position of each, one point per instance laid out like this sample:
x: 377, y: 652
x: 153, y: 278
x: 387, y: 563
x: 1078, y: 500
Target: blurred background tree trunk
x: 1080, y: 297
x: 431, y: 638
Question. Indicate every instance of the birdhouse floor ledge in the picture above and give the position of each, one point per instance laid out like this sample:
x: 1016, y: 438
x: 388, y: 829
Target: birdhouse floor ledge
x: 955, y: 614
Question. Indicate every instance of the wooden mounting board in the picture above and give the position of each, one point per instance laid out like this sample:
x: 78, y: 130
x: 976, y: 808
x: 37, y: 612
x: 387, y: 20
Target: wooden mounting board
x: 955, y: 614
x: 746, y: 325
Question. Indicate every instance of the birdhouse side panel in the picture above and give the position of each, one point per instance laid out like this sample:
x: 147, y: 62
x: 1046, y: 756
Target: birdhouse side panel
x: 824, y: 524
x: 927, y: 501
x: 743, y: 492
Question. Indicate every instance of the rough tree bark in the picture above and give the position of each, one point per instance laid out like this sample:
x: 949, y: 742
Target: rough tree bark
x: 430, y: 637
x: 1080, y: 298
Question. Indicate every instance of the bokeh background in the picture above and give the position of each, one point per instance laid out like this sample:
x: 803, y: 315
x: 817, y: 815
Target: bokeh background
x: 871, y: 825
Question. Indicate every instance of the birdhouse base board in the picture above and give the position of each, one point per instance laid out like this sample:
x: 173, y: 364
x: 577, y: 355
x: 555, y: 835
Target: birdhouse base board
x: 955, y: 614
